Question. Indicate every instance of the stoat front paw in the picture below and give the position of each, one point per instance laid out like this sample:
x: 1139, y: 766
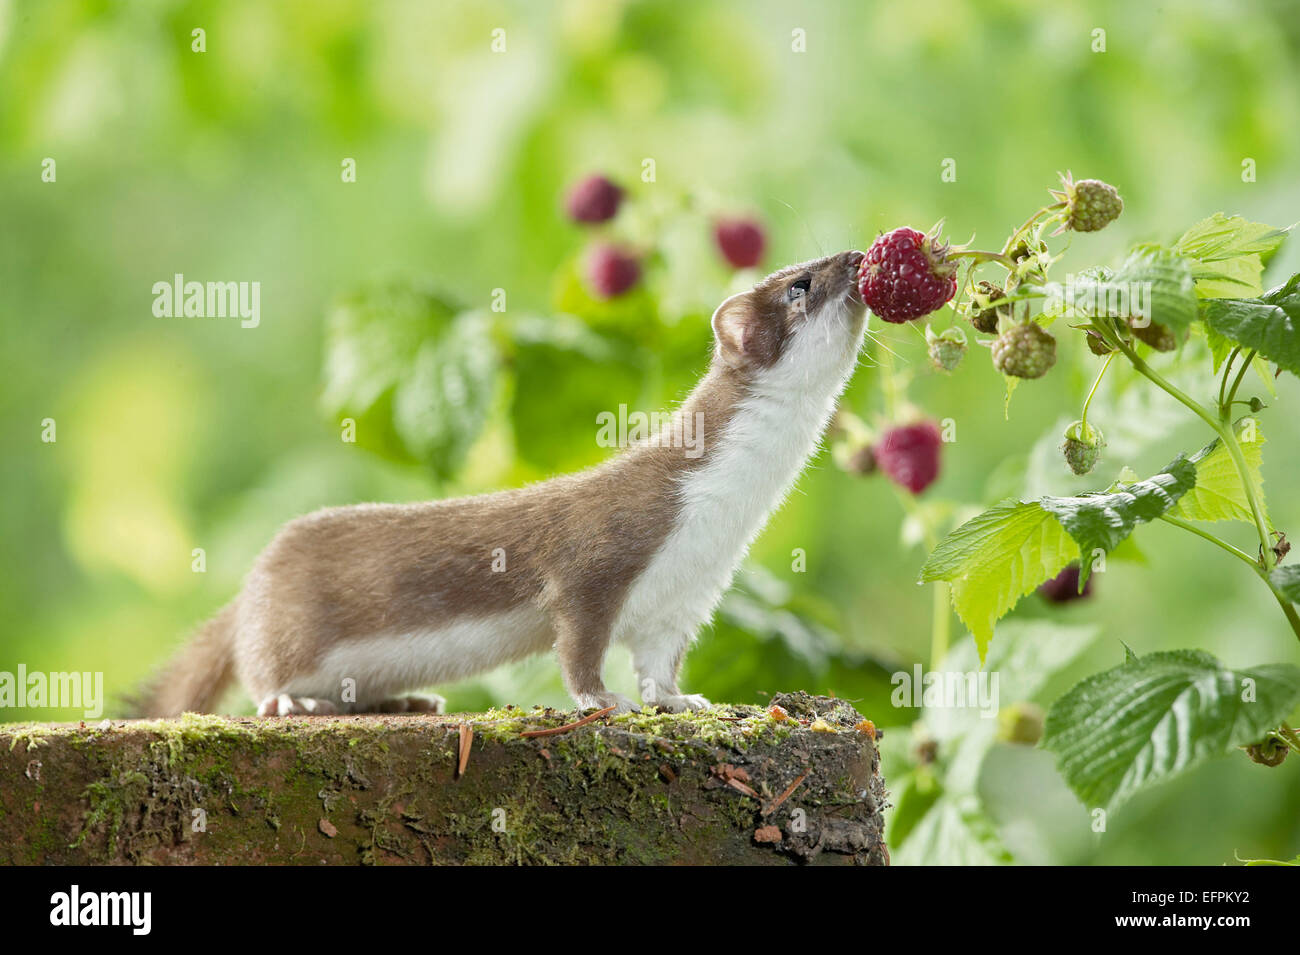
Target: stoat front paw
x: 599, y: 701
x: 680, y: 704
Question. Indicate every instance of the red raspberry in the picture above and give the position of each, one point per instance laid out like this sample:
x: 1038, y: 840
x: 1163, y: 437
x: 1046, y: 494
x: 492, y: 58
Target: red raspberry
x: 906, y: 274
x: 910, y: 455
x: 1064, y: 587
x: 611, y: 271
x: 594, y: 199
x: 741, y: 241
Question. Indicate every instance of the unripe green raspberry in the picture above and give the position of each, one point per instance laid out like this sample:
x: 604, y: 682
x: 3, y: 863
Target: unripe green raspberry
x: 1025, y: 350
x: 1020, y: 723
x: 1090, y: 204
x: 946, y: 348
x: 1082, y: 447
x: 1160, y: 337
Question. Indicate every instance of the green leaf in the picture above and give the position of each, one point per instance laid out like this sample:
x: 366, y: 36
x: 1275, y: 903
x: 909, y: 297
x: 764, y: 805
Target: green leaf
x: 1227, y: 254
x: 1219, y: 494
x: 1161, y: 282
x: 1152, y: 282
x: 1222, y: 237
x: 956, y: 831
x: 1220, y: 347
x: 1287, y: 580
x: 1102, y: 521
x: 418, y: 377
x: 1269, y: 324
x: 1152, y: 719
x: 1001, y: 555
x: 996, y: 558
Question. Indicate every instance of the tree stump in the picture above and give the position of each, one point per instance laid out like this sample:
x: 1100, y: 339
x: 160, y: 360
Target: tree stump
x: 732, y: 785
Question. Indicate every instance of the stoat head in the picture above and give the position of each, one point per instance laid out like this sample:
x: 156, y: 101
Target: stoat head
x: 801, y: 326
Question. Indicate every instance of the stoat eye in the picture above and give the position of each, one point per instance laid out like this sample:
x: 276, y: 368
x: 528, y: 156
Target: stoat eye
x: 798, y: 289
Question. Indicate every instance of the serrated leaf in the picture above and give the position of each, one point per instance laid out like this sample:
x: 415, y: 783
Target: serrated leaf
x: 1220, y: 347
x: 1219, y: 494
x: 417, y: 376
x: 1152, y: 719
x: 1001, y: 555
x: 1228, y: 254
x: 1162, y: 282
x: 1221, y: 237
x: 1269, y: 324
x: 1102, y: 521
x: 1152, y: 282
x: 996, y: 558
x: 1287, y: 580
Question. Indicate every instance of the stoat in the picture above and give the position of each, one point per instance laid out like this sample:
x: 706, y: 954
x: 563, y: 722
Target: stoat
x: 351, y: 608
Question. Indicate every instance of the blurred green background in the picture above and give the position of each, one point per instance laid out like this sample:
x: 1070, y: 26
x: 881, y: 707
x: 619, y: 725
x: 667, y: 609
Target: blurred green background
x: 183, y: 433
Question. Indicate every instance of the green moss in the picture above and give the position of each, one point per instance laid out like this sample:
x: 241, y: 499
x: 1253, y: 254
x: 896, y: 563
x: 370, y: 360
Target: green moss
x: 31, y: 735
x: 389, y: 788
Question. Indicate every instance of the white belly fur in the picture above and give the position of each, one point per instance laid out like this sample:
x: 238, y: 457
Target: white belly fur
x: 387, y: 665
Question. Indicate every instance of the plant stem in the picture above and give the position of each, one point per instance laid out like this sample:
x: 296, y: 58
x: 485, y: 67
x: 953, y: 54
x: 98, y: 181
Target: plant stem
x: 1083, y: 418
x: 1227, y: 370
x: 1011, y: 242
x: 977, y: 257
x: 1288, y: 608
x: 1288, y: 736
x: 1267, y: 560
x: 1159, y: 380
x: 940, y: 606
x: 1217, y: 541
x: 1229, y: 438
x: 1225, y: 407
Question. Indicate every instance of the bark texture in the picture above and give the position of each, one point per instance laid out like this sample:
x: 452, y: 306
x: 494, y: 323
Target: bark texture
x: 637, y: 789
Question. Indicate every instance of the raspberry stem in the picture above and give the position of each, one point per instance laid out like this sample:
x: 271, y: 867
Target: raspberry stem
x: 1213, y: 539
x: 978, y: 257
x: 1267, y: 559
x: 1083, y: 418
x: 1225, y: 407
x: 1011, y: 242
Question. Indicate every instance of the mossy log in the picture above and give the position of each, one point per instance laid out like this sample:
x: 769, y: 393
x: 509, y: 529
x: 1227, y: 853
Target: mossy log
x: 730, y: 786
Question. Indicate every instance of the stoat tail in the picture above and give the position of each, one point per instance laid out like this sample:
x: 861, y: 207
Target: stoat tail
x: 194, y: 679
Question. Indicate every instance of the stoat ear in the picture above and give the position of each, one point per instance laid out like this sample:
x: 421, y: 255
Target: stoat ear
x: 739, y: 331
